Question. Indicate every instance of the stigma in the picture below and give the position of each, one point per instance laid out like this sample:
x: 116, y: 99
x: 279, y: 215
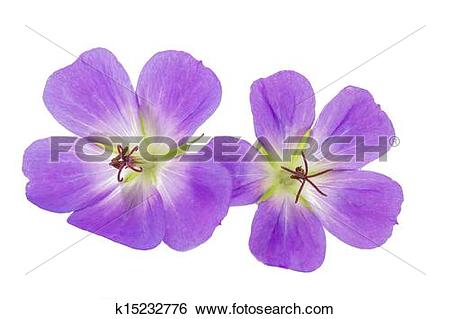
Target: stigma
x: 301, y: 174
x: 124, y: 160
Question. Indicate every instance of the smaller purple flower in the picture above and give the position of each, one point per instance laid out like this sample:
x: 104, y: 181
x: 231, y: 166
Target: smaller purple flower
x: 128, y: 199
x: 298, y: 198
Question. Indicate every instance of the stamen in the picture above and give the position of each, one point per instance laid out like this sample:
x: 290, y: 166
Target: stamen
x: 289, y: 170
x: 119, y: 178
x: 299, y: 191
x: 306, y: 163
x: 315, y: 186
x: 320, y: 173
x: 136, y: 169
x: 133, y: 150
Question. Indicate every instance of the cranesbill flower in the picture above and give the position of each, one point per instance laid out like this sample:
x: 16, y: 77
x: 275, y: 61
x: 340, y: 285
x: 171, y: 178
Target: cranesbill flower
x: 127, y: 199
x: 297, y: 199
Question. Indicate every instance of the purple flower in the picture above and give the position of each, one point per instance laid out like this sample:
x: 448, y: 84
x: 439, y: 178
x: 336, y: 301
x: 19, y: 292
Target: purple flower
x: 299, y: 198
x: 127, y: 199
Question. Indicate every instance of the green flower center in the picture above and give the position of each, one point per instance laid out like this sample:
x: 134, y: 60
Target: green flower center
x: 294, y: 181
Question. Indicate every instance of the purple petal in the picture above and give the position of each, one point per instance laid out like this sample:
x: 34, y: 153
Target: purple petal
x: 132, y: 215
x: 196, y: 197
x: 93, y: 96
x: 360, y: 208
x: 176, y: 94
x: 67, y: 184
x: 250, y: 179
x: 353, y: 112
x: 282, y: 106
x: 287, y: 235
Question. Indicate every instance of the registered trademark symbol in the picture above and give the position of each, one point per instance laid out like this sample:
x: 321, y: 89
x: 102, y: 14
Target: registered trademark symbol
x: 394, y: 141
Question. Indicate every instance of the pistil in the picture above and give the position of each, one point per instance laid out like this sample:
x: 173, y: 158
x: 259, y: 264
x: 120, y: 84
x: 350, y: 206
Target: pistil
x: 301, y: 174
x: 124, y: 160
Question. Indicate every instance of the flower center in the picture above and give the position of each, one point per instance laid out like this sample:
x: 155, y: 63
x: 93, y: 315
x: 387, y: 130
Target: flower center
x: 124, y: 160
x: 300, y: 174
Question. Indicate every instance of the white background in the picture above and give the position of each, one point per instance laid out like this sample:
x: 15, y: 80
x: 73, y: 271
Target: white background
x: 241, y: 41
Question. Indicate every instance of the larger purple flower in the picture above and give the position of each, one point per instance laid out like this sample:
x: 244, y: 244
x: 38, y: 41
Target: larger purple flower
x: 299, y: 198
x: 127, y: 199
